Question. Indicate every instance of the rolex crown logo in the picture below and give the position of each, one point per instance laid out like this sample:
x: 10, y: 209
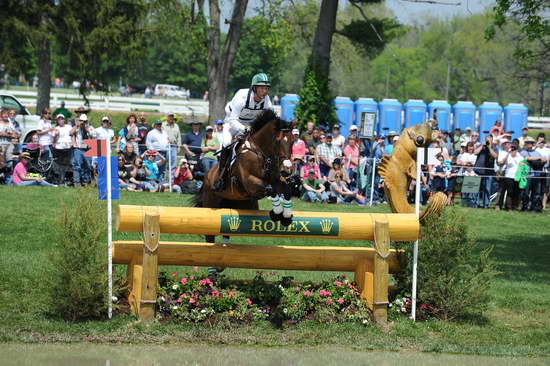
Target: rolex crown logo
x: 326, y: 226
x: 234, y: 223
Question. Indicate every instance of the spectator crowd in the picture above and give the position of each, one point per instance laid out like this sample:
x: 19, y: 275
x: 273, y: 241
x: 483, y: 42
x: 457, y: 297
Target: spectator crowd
x: 325, y: 166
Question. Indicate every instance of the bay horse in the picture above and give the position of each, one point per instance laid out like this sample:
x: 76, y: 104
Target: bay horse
x: 255, y: 172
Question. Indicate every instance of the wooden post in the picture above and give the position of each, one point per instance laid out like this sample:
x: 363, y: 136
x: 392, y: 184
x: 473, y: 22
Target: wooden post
x: 381, y: 271
x: 151, y: 237
x: 135, y: 270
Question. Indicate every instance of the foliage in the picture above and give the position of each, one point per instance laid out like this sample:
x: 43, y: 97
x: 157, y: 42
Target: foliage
x: 194, y: 297
x: 454, y: 275
x: 77, y: 276
x: 316, y: 102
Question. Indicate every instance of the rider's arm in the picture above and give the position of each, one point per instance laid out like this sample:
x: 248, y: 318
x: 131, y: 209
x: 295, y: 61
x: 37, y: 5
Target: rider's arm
x: 234, y: 109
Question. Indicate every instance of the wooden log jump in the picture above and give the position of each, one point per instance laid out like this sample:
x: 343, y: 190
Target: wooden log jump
x: 371, y: 266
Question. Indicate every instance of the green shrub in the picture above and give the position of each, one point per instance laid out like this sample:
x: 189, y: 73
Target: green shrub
x: 78, y: 274
x: 454, y: 275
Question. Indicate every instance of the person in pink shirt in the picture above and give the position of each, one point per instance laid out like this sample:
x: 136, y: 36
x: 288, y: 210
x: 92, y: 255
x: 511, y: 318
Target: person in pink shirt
x: 351, y: 158
x: 311, y: 164
x: 21, y: 177
x: 299, y: 150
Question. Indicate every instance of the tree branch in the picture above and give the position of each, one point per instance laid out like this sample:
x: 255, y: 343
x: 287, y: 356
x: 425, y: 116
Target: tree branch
x: 433, y: 2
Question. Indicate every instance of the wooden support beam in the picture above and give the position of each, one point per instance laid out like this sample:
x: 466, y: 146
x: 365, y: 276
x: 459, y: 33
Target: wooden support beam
x: 320, y: 225
x: 135, y: 270
x: 381, y: 272
x: 151, y: 236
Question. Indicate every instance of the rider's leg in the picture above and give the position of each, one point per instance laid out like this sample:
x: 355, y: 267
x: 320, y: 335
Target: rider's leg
x: 219, y: 185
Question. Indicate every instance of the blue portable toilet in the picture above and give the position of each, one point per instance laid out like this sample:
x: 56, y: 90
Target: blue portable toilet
x: 415, y: 112
x: 365, y: 111
x: 288, y: 104
x: 515, y: 118
x: 464, y: 115
x: 489, y: 112
x: 443, y: 114
x: 390, y: 116
x: 344, y: 112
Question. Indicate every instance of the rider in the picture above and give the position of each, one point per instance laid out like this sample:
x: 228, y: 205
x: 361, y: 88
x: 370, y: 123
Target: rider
x: 245, y: 106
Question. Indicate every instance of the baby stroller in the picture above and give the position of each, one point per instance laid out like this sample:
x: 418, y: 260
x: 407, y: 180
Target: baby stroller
x: 40, y: 163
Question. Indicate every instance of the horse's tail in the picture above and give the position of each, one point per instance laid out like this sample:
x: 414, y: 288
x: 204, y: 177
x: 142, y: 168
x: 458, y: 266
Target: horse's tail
x: 197, y: 200
x: 435, y: 207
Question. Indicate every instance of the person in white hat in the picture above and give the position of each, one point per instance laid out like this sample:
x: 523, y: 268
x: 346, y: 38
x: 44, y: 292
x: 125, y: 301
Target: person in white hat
x: 103, y: 132
x: 299, y: 149
x: 82, y: 165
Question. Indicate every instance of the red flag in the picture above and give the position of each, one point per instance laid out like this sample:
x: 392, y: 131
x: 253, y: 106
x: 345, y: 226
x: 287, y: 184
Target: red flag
x: 97, y: 147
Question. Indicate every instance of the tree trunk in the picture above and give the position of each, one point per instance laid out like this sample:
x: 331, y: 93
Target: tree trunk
x: 221, y: 60
x: 44, y: 76
x: 320, y: 54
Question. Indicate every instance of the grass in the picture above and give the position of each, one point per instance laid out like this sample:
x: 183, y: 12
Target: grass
x: 517, y: 323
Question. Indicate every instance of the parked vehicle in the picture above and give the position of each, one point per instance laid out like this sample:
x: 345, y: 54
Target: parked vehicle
x: 27, y: 121
x: 166, y: 90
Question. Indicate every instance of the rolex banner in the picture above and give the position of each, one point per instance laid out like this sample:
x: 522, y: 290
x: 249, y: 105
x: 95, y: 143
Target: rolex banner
x: 257, y: 225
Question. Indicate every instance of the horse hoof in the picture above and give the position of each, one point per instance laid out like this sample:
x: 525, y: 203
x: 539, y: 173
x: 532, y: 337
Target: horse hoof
x: 269, y: 190
x: 285, y: 221
x: 275, y: 217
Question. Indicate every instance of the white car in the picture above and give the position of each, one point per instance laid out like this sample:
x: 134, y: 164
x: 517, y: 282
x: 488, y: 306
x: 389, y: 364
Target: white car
x: 27, y: 121
x: 166, y: 90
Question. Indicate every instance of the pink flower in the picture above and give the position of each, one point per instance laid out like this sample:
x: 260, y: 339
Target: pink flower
x: 340, y: 301
x: 249, y: 302
x: 215, y: 293
x: 328, y: 302
x: 350, y: 285
x: 174, y: 274
x: 307, y: 293
x: 192, y: 301
x: 184, y: 281
x: 191, y: 277
x: 338, y: 283
x: 178, y: 300
x: 231, y: 293
x: 195, y: 269
x: 424, y: 306
x: 183, y: 296
x: 205, y: 282
x: 325, y: 293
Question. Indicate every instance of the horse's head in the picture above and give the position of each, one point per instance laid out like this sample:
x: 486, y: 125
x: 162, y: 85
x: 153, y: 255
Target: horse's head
x: 273, y: 135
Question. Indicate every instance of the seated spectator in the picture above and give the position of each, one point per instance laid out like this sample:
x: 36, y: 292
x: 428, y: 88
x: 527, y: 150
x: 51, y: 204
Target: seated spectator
x: 22, y: 178
x: 339, y: 189
x: 313, y: 190
x: 33, y: 144
x: 311, y: 164
x: 183, y: 179
x: 129, y: 155
x: 152, y: 166
x: 124, y: 175
x: 139, y: 176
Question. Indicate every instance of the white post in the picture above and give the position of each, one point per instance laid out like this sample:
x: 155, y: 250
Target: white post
x: 170, y: 167
x: 419, y: 156
x: 372, y: 179
x: 109, y: 229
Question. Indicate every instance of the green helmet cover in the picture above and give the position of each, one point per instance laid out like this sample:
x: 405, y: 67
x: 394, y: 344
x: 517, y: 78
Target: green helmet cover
x: 260, y: 79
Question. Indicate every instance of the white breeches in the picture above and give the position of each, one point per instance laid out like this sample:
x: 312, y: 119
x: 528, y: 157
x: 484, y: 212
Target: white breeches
x: 230, y: 129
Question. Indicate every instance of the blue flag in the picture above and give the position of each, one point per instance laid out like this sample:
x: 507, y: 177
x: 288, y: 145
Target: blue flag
x: 102, y: 177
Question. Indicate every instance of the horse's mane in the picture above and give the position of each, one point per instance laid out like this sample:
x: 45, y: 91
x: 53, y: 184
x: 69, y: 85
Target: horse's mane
x: 264, y: 118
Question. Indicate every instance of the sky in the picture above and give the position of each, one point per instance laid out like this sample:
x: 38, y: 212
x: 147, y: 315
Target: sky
x: 410, y: 13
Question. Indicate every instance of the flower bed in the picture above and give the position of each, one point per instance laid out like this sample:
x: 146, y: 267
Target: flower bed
x: 194, y: 297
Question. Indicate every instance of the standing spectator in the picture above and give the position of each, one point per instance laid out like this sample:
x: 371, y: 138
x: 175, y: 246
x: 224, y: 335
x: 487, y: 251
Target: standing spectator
x: 62, y: 148
x: 388, y: 148
x: 62, y: 110
x: 500, y: 170
x: 314, y: 191
x: 218, y: 133
x: 496, y: 130
x: 276, y: 100
x: 532, y: 194
x: 209, y: 145
x: 22, y: 178
x: 475, y: 139
x: 351, y: 159
x: 157, y: 140
x: 485, y: 163
x: 314, y: 141
x: 183, y: 179
x: 143, y: 130
x: 45, y: 131
x: 299, y: 150
x: 326, y: 153
x: 511, y: 162
x: 78, y: 112
x: 12, y: 113
x: 192, y: 142
x: 7, y: 134
x: 174, y: 138
x: 310, y: 165
x: 337, y: 139
x: 447, y: 143
x: 104, y: 132
x: 340, y: 190
x: 307, y: 135
x: 469, y: 199
x: 524, y: 135
x: 467, y: 136
x: 544, y: 151
x: 131, y: 132
x: 468, y: 158
x: 456, y: 141
x: 82, y: 165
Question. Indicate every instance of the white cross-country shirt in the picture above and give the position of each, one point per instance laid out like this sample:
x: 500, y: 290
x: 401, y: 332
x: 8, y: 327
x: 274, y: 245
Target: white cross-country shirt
x: 243, y: 108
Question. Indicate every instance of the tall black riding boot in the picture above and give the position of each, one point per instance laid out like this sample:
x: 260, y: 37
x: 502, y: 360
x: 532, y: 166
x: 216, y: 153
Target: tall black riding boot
x: 219, y: 185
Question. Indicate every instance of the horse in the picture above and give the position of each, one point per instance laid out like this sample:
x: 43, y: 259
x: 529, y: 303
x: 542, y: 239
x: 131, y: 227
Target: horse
x: 255, y: 172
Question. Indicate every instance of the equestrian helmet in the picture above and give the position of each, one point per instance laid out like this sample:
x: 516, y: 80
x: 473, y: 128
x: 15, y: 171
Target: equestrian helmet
x: 260, y: 79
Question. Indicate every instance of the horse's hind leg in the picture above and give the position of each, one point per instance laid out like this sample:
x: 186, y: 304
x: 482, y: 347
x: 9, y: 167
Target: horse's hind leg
x: 287, y: 205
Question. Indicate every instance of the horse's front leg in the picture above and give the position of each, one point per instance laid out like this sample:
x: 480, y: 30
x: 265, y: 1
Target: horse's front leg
x: 287, y: 203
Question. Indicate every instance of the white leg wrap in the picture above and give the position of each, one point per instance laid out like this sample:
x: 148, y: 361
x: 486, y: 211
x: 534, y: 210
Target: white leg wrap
x: 276, y: 204
x: 287, y: 208
x: 226, y: 239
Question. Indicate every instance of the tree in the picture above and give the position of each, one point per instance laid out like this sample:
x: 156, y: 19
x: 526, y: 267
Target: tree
x: 221, y: 57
